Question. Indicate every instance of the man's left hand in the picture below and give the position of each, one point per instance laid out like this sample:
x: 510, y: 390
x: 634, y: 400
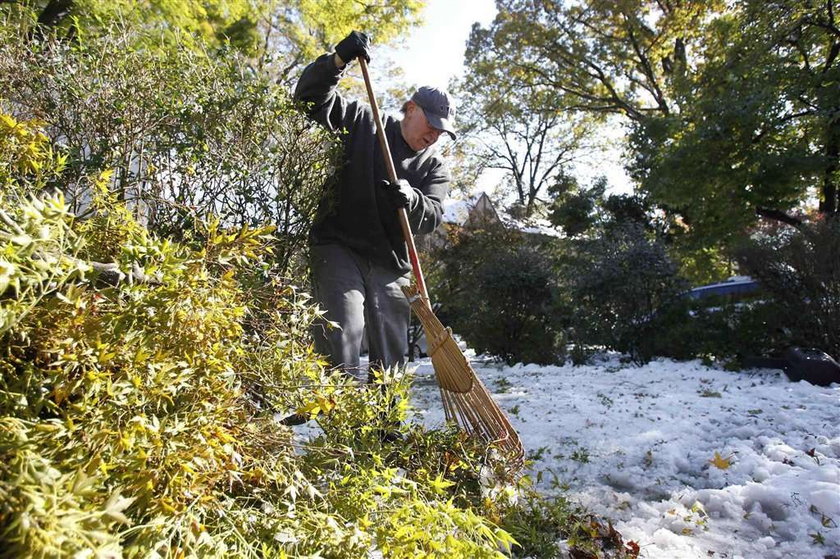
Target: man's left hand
x: 399, y: 193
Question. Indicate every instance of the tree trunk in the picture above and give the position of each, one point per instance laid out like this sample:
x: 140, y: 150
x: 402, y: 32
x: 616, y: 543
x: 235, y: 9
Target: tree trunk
x: 829, y: 202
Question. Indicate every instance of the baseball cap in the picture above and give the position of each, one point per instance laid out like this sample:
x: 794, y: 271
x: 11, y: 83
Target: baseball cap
x: 438, y: 107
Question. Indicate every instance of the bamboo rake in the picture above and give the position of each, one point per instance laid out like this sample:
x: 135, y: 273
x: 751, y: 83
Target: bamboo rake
x: 466, y: 401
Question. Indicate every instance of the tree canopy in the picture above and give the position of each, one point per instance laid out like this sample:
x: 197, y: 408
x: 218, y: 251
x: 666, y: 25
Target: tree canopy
x: 733, y: 108
x: 759, y: 123
x: 529, y: 133
x: 279, y: 34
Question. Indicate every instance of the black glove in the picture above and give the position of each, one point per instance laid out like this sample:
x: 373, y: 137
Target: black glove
x: 399, y: 194
x: 356, y: 44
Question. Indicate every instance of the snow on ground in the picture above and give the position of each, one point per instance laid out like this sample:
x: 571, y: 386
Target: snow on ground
x: 687, y: 460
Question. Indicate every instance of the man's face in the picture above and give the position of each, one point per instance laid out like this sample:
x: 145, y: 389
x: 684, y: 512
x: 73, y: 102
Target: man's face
x: 416, y: 130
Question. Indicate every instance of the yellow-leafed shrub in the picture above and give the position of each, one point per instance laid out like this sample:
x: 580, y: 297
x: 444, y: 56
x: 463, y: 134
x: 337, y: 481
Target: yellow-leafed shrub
x: 137, y: 416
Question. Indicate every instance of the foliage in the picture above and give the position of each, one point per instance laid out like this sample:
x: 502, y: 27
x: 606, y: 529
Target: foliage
x: 606, y: 57
x: 757, y: 133
x: 499, y: 296
x: 277, y: 37
x: 588, y: 212
x: 319, y: 24
x: 617, y: 283
x: 732, y: 105
x: 529, y: 133
x: 722, y: 330
x: 555, y: 527
x: 579, y: 62
x: 136, y: 419
x: 121, y: 407
x: 37, y: 241
x: 596, y: 59
x: 573, y: 208
x: 800, y: 272
x: 26, y: 154
x: 187, y: 136
x: 191, y: 23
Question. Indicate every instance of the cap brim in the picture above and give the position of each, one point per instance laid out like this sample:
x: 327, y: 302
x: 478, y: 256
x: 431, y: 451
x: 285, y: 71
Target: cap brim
x: 441, y: 124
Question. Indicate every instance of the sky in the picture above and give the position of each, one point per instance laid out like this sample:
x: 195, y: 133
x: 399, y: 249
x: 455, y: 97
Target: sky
x: 686, y: 460
x: 433, y: 54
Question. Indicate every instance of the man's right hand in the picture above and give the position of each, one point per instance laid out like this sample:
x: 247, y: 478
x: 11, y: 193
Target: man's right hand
x: 353, y: 46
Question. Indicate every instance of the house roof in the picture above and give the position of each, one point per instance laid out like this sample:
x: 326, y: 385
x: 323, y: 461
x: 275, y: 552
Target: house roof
x: 532, y: 226
x: 458, y: 212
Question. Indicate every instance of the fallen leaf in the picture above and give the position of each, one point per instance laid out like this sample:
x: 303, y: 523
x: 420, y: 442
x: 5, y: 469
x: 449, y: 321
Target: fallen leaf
x: 720, y: 462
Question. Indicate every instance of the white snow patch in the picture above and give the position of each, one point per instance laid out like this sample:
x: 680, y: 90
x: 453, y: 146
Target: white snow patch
x: 636, y: 445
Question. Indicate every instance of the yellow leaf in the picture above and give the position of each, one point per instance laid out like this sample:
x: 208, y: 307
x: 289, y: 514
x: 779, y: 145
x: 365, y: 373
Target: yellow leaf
x: 8, y: 121
x: 383, y: 490
x: 105, y: 176
x: 720, y: 462
x: 439, y: 484
x: 165, y: 505
x: 311, y: 408
x: 325, y: 404
x: 60, y: 393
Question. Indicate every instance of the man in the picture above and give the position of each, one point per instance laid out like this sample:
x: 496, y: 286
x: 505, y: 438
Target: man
x: 359, y: 259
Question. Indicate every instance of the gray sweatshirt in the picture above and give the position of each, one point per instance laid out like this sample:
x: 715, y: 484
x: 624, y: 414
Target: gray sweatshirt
x: 360, y: 216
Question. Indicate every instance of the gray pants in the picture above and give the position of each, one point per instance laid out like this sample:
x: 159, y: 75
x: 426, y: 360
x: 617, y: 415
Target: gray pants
x: 362, y: 297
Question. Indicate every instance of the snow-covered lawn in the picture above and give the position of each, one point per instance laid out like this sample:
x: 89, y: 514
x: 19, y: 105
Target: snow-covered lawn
x: 687, y: 460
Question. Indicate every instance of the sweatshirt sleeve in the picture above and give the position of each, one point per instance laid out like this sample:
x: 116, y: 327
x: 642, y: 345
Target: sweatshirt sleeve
x: 317, y: 87
x: 427, y: 214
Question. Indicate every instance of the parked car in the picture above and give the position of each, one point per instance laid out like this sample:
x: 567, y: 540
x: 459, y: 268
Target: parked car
x: 736, y: 285
x: 808, y: 364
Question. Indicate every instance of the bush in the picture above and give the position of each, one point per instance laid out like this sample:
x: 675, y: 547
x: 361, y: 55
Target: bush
x: 128, y: 424
x: 187, y: 136
x: 125, y: 422
x: 713, y: 329
x: 617, y: 283
x: 136, y: 419
x: 800, y: 271
x: 500, y: 297
x: 556, y: 527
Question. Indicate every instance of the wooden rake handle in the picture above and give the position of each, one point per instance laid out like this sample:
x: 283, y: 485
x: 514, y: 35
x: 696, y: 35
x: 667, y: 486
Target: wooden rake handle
x: 392, y: 174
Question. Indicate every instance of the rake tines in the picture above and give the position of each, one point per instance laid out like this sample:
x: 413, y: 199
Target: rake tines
x: 466, y: 400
